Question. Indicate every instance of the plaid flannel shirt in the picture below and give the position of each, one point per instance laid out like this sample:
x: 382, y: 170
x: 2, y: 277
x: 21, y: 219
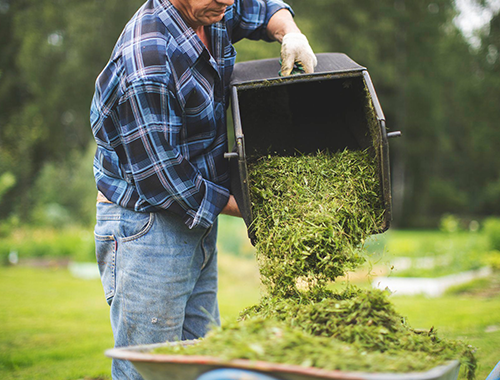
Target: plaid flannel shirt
x: 159, y: 110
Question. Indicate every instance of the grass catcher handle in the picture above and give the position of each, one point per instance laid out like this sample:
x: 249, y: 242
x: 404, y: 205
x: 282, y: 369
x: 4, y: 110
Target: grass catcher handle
x: 394, y: 134
x: 231, y: 155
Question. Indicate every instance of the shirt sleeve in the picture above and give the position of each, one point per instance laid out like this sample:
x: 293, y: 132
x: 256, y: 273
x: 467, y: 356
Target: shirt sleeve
x: 250, y: 18
x: 151, y: 124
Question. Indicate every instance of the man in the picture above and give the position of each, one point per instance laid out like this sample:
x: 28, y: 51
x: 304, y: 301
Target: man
x: 159, y: 120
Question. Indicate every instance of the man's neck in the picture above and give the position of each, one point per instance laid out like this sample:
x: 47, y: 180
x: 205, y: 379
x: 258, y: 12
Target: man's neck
x: 201, y: 32
x: 198, y: 29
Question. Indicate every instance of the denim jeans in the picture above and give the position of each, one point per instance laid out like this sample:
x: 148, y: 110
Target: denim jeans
x: 159, y: 278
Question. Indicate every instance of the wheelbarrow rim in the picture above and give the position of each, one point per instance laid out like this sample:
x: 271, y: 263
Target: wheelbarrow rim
x: 142, y: 353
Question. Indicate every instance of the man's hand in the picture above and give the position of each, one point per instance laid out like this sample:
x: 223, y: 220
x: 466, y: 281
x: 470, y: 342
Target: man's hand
x: 231, y: 208
x: 296, y: 49
x: 294, y: 45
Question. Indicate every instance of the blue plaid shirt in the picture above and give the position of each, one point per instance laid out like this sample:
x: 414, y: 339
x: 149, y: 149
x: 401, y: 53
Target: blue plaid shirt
x: 159, y: 110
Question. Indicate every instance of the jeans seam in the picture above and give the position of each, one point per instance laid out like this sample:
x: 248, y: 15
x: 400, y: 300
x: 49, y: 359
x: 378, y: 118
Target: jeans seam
x: 103, y: 237
x: 206, y: 257
x: 110, y: 294
x: 113, y: 273
x: 108, y: 217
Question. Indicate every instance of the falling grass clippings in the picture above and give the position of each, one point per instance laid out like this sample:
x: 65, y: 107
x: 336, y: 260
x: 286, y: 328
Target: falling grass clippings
x: 312, y: 214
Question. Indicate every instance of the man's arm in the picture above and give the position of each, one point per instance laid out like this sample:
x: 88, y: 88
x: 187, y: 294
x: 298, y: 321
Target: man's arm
x: 161, y: 175
x: 231, y: 208
x: 294, y: 45
x: 280, y: 24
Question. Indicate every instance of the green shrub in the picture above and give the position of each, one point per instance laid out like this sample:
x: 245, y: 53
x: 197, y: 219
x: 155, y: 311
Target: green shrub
x: 449, y: 223
x: 65, y: 193
x: 493, y: 260
x: 7, y: 180
x: 476, y: 285
x: 445, y: 196
x: 432, y: 253
x: 75, y: 244
x: 491, y: 228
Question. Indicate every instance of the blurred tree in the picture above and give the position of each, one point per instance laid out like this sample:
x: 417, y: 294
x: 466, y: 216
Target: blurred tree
x: 426, y: 76
x: 13, y: 94
x: 441, y: 92
x: 7, y: 180
x: 486, y: 136
x: 51, y: 53
x: 76, y: 202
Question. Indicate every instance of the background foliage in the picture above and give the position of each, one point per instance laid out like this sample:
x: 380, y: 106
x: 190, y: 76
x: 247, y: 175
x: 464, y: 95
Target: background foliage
x: 435, y: 86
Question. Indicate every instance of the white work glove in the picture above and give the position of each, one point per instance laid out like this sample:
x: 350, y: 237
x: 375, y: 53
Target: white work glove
x: 296, y: 49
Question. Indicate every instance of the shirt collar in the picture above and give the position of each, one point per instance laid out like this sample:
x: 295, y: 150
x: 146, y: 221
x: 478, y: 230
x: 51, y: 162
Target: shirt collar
x: 187, y: 40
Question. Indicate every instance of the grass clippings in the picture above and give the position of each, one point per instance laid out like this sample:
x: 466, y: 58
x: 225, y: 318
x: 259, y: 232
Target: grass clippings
x: 312, y: 215
x: 331, y: 334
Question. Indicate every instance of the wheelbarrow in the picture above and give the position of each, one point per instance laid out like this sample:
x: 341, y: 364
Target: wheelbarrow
x: 154, y: 366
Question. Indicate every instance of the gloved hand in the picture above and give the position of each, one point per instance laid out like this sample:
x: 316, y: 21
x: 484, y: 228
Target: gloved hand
x: 295, y: 48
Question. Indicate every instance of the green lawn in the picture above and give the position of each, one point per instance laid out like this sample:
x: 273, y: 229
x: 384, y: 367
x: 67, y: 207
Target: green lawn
x: 53, y: 326
x: 475, y: 320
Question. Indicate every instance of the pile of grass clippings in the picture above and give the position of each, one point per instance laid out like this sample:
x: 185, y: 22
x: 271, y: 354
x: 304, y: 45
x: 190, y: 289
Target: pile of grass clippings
x: 272, y: 340
x: 312, y: 215
x: 366, y: 320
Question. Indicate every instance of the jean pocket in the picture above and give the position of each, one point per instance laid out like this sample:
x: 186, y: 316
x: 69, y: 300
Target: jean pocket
x: 123, y: 224
x: 106, y: 260
x: 136, y: 227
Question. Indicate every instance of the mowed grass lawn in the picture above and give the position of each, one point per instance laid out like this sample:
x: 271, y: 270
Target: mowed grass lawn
x: 54, y: 326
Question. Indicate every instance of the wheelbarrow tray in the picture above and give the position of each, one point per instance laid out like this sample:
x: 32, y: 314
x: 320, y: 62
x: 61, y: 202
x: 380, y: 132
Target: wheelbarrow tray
x: 189, y: 367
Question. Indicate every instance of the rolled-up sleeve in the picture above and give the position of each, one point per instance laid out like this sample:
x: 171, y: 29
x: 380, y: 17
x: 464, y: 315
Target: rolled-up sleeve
x: 250, y: 18
x: 150, y: 126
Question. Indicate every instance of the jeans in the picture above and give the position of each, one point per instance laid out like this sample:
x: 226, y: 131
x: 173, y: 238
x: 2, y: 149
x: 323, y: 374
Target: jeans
x: 159, y: 278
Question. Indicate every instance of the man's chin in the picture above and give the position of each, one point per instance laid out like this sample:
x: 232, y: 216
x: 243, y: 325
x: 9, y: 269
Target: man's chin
x: 215, y: 18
